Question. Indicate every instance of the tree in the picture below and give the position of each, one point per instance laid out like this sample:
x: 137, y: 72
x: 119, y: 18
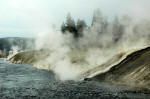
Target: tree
x: 81, y: 25
x: 69, y: 26
x: 63, y: 27
x: 97, y: 17
x: 117, y: 30
x: 69, y: 21
x: 99, y: 23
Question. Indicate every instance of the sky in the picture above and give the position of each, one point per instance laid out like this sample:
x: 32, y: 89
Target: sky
x: 26, y: 18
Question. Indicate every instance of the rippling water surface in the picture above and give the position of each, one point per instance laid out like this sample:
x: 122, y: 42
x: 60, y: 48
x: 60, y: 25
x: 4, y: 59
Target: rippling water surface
x: 25, y: 81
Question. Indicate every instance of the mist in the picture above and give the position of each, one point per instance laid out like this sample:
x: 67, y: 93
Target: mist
x: 71, y: 56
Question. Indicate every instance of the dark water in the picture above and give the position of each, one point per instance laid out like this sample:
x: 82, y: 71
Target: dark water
x: 26, y: 82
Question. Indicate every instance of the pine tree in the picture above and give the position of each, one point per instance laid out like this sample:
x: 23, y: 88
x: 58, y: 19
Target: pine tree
x: 81, y: 25
x: 63, y: 27
x: 69, y: 21
x: 118, y: 29
x: 99, y: 23
x: 69, y: 26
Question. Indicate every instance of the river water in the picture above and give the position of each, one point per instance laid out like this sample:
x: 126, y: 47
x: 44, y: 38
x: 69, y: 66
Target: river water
x: 23, y: 81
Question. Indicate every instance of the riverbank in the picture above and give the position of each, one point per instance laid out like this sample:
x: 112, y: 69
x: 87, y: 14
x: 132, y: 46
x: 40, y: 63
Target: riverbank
x: 25, y: 81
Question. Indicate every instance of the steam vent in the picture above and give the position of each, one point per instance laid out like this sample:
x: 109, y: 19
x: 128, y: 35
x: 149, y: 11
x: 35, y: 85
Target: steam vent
x: 74, y: 49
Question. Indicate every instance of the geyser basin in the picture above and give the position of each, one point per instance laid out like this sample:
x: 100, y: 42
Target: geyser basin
x: 24, y: 81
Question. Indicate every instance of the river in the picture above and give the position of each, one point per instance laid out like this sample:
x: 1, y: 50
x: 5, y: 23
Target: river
x: 23, y: 81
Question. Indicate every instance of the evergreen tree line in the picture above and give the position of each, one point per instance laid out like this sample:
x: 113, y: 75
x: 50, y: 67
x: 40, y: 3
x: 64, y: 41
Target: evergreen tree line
x: 71, y: 27
x: 99, y: 24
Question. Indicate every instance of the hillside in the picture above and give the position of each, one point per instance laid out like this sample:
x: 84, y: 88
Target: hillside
x: 29, y: 57
x: 133, y: 71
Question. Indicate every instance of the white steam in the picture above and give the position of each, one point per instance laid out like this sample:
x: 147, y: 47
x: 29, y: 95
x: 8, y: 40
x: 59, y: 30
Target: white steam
x: 59, y: 60
x: 70, y: 57
x: 14, y: 50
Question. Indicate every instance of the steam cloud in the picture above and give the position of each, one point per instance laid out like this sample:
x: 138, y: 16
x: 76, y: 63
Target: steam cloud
x: 69, y: 57
x: 14, y: 51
